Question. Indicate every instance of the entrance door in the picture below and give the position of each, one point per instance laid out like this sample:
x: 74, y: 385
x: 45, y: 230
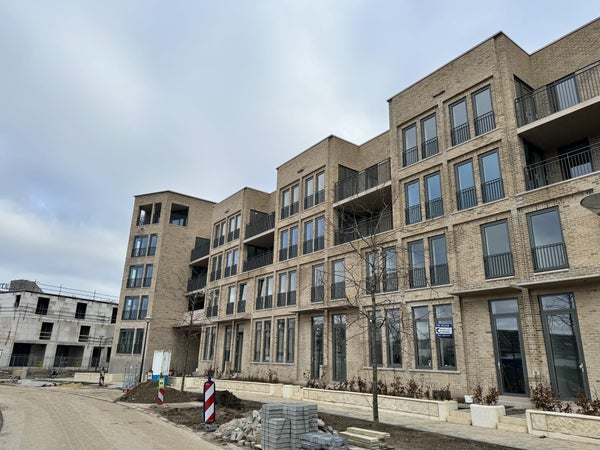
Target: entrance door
x: 227, y: 347
x: 239, y: 345
x: 508, y: 346
x: 339, y: 347
x: 563, y: 345
x: 316, y: 358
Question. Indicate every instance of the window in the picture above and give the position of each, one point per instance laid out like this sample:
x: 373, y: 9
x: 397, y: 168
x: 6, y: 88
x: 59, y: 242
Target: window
x: 320, y: 194
x: 143, y: 308
x: 422, y: 337
x: 215, y: 272
x: 125, y: 340
x: 264, y: 297
x: 563, y: 93
x: 234, y: 227
x: 497, y: 256
x: 144, y: 215
x: 267, y: 341
x: 444, y: 336
x: 309, y: 192
x: 390, y: 274
x: 307, y: 245
x: 241, y: 307
x: 295, y: 206
x: 394, y: 342
x: 220, y: 231
x: 130, y: 308
x: 257, y: 341
x: 548, y: 250
x: 179, y: 215
x: 227, y: 343
x: 410, y: 153
x: 288, y: 244
x: 373, y: 273
x: 320, y: 235
x: 156, y: 216
x: 80, y: 310
x: 84, y: 333
x: 434, y: 206
x: 459, y: 123
x: 135, y: 276
x: 378, y: 345
x: 139, y: 246
x: 42, y: 306
x: 152, y: 246
x: 338, y: 330
x: 338, y: 286
x: 231, y: 300
x: 438, y: 260
x: 484, y: 114
x: 314, y: 241
x: 46, y: 331
x: 209, y: 343
x: 17, y: 300
x: 231, y: 262
x: 381, y: 278
x: 317, y: 292
x: 286, y: 295
x: 213, y: 303
x: 491, y: 179
x: 416, y: 265
x: 113, y: 317
x: 429, y: 144
x: 466, y: 197
x: 291, y: 340
x: 280, y: 340
x: 413, y: 202
x: 290, y: 201
x: 148, y: 275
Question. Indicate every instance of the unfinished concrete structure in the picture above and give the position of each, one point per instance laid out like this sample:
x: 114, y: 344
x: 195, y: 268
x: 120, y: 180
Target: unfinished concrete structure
x: 462, y: 223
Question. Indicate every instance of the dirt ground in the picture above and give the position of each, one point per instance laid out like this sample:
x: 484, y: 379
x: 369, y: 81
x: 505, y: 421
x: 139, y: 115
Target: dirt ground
x: 231, y: 407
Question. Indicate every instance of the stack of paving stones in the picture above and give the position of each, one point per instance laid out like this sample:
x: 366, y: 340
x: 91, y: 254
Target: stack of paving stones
x: 285, y: 426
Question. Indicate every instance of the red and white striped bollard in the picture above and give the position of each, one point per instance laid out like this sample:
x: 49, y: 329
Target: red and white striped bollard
x: 161, y: 390
x: 209, y: 401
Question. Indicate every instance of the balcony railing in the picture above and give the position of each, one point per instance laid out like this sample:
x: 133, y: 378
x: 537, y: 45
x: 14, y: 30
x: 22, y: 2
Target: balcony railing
x: 201, y: 249
x: 229, y: 308
x: 434, y: 208
x: 212, y: 311
x: 564, y: 167
x: 265, y: 302
x: 561, y: 94
x: 196, y: 283
x: 261, y: 225
x: 134, y: 282
x: 467, y: 198
x: 416, y: 277
x: 410, y: 156
x: 363, y: 180
x: 241, y: 306
x: 369, y: 227
x: 430, y: 147
x: 549, y: 257
x: 500, y: 265
x: 438, y: 274
x: 484, y: 123
x: 413, y: 214
x: 317, y: 293
x: 258, y: 261
x: 338, y: 290
x: 230, y: 270
x: 460, y: 134
x: 492, y: 190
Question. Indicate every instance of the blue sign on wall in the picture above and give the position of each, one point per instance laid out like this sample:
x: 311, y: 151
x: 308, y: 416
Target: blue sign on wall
x: 443, y: 330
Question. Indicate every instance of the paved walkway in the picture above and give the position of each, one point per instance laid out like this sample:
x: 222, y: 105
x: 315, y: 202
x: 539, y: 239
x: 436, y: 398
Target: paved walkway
x: 499, y: 437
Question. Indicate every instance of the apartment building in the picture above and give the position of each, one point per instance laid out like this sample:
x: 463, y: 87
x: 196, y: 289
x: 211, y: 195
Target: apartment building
x: 460, y: 228
x: 53, y: 327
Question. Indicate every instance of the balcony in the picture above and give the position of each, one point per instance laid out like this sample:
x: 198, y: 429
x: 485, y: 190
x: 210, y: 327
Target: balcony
x: 363, y: 180
x: 369, y: 227
x: 569, y: 165
x: 561, y: 94
x: 201, y: 249
x: 196, y: 283
x: 264, y: 223
x: 258, y: 261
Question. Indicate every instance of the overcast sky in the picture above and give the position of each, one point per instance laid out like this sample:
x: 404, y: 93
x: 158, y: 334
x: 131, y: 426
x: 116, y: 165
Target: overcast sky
x: 100, y: 101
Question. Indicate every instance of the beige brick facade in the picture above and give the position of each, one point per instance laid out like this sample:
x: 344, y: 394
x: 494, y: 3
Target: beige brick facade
x: 474, y: 192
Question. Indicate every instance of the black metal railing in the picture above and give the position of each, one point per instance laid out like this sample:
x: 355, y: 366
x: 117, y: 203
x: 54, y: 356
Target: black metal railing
x: 281, y: 298
x: 363, y: 180
x: 467, y: 198
x: 417, y: 277
x: 317, y: 293
x: 258, y: 261
x: 307, y: 247
x: 291, y: 298
x: 438, y: 274
x: 309, y: 201
x: 413, y: 214
x: 212, y: 311
x: 560, y: 168
x: 492, y: 190
x: 229, y: 308
x: 460, y: 134
x: 45, y: 335
x: 549, y: 257
x: 130, y: 314
x: 369, y: 227
x: 372, y: 285
x: 261, y: 225
x: 430, y: 148
x: 338, y: 290
x: 241, y: 306
x: 484, y: 123
x: 134, y: 282
x: 390, y: 281
x: 319, y: 196
x: 196, y: 283
x: 563, y: 93
x: 201, y: 249
x: 137, y: 252
x: 264, y: 302
x: 499, y: 265
x: 410, y: 156
x: 434, y: 208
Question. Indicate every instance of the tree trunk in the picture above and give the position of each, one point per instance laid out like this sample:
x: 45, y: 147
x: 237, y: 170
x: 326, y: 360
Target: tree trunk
x: 374, y: 358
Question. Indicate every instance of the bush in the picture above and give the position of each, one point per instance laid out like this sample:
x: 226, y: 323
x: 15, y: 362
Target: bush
x: 491, y: 398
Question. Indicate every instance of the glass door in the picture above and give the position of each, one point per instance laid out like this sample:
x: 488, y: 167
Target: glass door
x: 316, y: 359
x: 339, y: 347
x: 510, y: 359
x: 239, y: 345
x: 563, y: 345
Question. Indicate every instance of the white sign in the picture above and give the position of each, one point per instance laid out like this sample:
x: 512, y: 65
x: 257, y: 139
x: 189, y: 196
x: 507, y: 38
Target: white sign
x: 443, y: 330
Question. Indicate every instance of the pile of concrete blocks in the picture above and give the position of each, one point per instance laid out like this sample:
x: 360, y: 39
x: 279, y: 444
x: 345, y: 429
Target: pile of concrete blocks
x: 366, y: 439
x: 320, y: 441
